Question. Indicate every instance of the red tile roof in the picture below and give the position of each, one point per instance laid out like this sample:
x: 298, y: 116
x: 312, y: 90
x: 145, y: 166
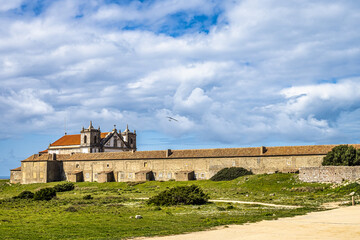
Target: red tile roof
x: 74, y: 139
x: 44, y: 151
x: 67, y: 140
x: 103, y: 135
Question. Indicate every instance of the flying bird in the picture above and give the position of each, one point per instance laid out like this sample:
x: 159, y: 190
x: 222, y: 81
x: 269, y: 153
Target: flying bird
x: 172, y: 119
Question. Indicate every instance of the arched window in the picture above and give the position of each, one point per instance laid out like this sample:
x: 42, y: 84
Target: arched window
x: 85, y: 138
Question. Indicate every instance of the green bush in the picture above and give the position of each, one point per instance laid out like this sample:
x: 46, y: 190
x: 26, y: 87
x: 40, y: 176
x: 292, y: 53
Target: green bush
x: 64, y: 187
x: 342, y: 155
x: 25, y: 195
x: 45, y: 194
x: 182, y: 195
x: 227, y: 174
x: 87, y: 197
x: 71, y: 209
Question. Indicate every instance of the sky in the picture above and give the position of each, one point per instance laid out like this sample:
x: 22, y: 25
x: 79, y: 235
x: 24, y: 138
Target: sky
x: 232, y: 73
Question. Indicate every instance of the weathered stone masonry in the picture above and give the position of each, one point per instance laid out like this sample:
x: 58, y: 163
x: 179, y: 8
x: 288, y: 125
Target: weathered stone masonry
x: 335, y: 174
x: 165, y: 165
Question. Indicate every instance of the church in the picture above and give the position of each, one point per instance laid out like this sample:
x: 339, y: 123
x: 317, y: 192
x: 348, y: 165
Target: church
x: 91, y: 140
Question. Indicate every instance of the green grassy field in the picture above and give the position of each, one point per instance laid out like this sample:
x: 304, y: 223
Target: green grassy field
x: 110, y: 214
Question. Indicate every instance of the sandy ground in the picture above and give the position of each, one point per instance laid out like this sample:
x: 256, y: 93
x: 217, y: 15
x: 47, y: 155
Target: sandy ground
x: 341, y: 223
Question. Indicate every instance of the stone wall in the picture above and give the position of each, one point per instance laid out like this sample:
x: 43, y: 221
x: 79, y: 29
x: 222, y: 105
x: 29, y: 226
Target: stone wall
x: 335, y: 174
x: 34, y: 172
x: 203, y: 168
x: 15, y: 176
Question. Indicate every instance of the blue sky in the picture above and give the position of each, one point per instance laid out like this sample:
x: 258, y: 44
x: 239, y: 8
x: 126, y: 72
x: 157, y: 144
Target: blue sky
x: 233, y: 73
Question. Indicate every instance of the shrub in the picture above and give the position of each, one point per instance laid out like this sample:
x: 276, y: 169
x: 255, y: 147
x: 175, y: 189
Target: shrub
x: 220, y: 208
x: 182, y: 195
x: 227, y: 174
x: 25, y: 195
x: 87, y: 197
x: 342, y: 155
x: 45, y: 194
x: 64, y: 187
x: 71, y: 209
x: 230, y: 207
x: 157, y: 208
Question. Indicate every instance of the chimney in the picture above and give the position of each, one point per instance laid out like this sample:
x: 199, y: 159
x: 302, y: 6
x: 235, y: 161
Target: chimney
x: 262, y: 150
x: 168, y: 153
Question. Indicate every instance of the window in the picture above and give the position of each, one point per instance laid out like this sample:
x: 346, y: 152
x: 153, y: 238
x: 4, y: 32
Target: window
x: 160, y: 175
x: 115, y: 142
x: 145, y: 164
x: 94, y: 139
x: 107, y: 165
x: 77, y: 165
x: 169, y: 175
x: 130, y: 175
x: 85, y: 139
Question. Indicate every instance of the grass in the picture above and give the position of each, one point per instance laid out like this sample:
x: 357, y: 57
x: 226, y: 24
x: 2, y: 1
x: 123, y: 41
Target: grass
x: 110, y: 214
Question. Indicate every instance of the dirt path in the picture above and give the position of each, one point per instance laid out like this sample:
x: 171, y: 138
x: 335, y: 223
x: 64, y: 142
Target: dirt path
x: 341, y: 223
x: 255, y: 203
x: 243, y: 202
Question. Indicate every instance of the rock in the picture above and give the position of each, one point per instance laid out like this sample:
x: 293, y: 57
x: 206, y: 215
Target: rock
x: 131, y: 217
x: 138, y: 217
x: 272, y: 194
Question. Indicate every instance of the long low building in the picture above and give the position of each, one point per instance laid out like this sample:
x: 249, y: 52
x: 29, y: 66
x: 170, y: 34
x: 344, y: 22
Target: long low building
x: 164, y: 165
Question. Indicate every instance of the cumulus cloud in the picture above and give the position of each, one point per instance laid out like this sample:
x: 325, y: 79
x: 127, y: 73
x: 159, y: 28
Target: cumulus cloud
x: 8, y: 5
x: 245, y: 72
x: 323, y: 101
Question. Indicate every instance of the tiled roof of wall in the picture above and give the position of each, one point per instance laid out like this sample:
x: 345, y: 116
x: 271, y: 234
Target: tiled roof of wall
x: 46, y: 157
x: 16, y: 169
x: 194, y: 153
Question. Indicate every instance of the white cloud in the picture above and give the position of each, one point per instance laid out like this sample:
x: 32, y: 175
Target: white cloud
x: 25, y: 103
x: 267, y: 70
x: 323, y: 100
x: 6, y: 5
